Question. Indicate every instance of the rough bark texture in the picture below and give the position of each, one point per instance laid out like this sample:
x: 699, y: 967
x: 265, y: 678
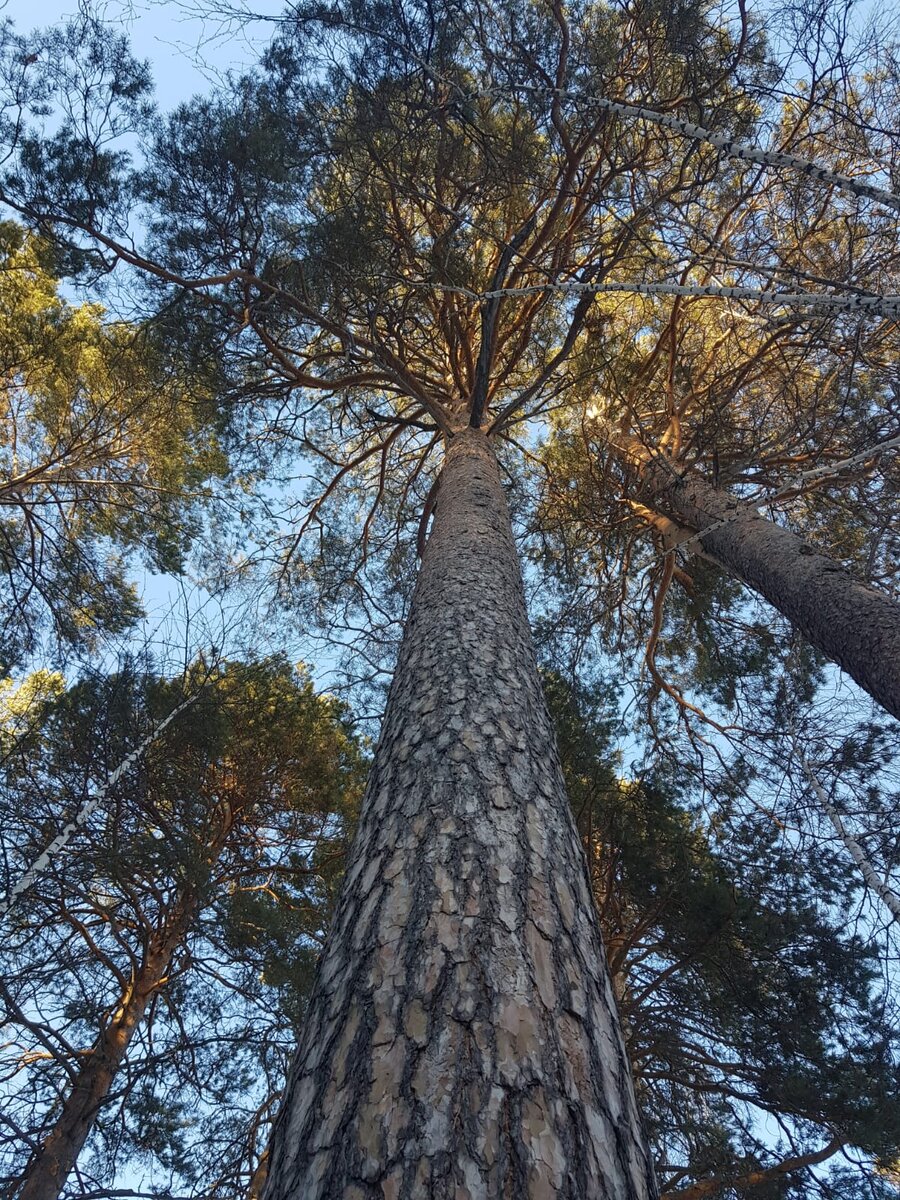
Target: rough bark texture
x: 462, y: 1040
x: 49, y: 1171
x: 854, y: 625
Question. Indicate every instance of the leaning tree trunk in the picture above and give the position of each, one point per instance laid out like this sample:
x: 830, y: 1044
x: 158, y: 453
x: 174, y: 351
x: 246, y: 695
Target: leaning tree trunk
x: 49, y: 1170
x: 872, y: 879
x: 462, y: 1039
x: 854, y: 625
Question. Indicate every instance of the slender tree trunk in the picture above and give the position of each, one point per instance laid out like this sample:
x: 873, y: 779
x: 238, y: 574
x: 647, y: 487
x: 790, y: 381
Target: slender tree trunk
x: 873, y: 880
x: 852, y: 624
x: 48, y: 1172
x: 462, y: 1039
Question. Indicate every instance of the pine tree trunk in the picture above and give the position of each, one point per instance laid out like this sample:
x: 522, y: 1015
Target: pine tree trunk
x: 462, y: 1040
x: 258, y: 1177
x: 854, y: 625
x: 47, y: 1174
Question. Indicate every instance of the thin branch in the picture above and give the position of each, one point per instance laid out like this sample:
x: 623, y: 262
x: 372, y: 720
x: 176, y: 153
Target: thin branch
x: 889, y: 897
x: 490, y: 312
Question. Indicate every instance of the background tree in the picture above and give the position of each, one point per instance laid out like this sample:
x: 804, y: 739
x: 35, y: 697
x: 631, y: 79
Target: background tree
x: 744, y: 996
x: 110, y: 448
x: 155, y: 972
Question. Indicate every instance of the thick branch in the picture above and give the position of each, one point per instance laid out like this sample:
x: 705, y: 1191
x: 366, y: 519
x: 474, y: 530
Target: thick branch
x: 489, y: 315
x: 709, y: 1187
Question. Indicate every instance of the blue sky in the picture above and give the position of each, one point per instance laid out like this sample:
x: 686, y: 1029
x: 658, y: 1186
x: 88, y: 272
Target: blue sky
x: 185, y: 51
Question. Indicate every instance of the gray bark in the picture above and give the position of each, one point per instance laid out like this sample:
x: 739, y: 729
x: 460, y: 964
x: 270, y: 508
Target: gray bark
x: 852, y: 624
x: 462, y: 1039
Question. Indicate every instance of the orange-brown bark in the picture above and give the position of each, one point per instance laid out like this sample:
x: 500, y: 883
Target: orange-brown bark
x: 48, y: 1171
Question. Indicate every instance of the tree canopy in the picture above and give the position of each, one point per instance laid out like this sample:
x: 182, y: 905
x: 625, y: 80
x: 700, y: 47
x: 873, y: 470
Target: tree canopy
x: 224, y: 841
x: 109, y: 447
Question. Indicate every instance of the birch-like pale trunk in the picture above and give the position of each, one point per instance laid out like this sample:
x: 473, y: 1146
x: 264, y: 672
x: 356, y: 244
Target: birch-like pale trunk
x: 462, y: 1039
x: 90, y: 806
x: 852, y: 624
x: 873, y: 880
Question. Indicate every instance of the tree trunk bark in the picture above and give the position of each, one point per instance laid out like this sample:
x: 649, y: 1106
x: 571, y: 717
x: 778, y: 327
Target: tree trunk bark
x: 852, y: 624
x: 462, y: 1040
x: 48, y: 1172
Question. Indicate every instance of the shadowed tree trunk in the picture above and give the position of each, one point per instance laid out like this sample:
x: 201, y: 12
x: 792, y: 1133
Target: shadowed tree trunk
x: 852, y: 624
x: 462, y: 1040
x: 49, y: 1170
